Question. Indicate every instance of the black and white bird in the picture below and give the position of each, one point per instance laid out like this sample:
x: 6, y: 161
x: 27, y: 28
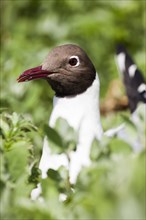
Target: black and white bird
x: 73, y: 77
x: 132, y: 78
x: 135, y: 87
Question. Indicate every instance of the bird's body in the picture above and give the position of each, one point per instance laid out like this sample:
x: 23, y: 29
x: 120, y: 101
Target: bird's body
x: 73, y: 77
x: 82, y: 113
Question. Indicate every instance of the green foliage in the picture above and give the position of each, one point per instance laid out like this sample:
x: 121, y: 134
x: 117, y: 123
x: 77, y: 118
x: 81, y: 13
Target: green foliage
x: 112, y: 187
x: 14, y: 129
x: 63, y: 138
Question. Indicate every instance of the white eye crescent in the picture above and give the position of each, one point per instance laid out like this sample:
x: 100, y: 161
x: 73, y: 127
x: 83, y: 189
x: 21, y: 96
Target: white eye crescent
x: 74, y: 61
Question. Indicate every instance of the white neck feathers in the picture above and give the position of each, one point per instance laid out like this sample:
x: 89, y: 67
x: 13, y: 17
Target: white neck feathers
x: 80, y: 111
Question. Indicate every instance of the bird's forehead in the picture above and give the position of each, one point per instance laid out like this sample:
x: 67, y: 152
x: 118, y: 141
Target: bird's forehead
x: 60, y: 54
x: 65, y: 51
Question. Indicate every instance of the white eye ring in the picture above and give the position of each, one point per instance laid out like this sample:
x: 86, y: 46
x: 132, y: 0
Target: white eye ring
x: 74, y: 61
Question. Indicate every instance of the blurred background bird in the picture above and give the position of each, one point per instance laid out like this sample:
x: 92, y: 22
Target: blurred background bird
x: 135, y: 88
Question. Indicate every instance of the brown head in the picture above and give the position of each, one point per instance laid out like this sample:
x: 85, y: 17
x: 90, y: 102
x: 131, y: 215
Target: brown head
x: 67, y: 69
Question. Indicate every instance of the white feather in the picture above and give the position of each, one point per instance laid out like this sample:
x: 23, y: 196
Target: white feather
x: 82, y: 113
x: 132, y: 70
x: 121, y: 61
x: 142, y: 88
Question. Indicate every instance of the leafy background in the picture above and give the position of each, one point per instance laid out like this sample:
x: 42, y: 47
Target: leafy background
x: 113, y: 187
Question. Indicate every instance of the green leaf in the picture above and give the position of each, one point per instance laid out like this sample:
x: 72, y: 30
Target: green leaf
x: 17, y: 160
x: 4, y: 127
x: 65, y: 130
x: 54, y: 139
x: 15, y: 118
x: 35, y: 175
x: 54, y: 175
x: 62, y: 138
x: 119, y: 146
x: 95, y: 150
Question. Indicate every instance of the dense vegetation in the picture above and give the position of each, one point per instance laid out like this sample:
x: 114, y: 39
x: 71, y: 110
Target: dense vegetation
x: 113, y: 187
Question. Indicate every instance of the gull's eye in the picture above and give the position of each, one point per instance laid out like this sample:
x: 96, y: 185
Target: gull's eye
x: 74, y: 61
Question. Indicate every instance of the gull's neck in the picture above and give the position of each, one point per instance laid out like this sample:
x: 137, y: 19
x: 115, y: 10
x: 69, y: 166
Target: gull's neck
x: 80, y: 111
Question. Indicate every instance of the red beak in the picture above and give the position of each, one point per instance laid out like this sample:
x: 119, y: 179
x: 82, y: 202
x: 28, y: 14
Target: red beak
x: 34, y: 73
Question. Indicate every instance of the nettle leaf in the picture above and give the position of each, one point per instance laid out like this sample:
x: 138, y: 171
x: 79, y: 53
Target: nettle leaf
x: 35, y: 175
x: 54, y: 139
x: 100, y: 149
x: 95, y: 150
x: 54, y: 175
x: 61, y: 138
x: 17, y: 160
x: 49, y: 189
x: 65, y: 130
x: 67, y: 133
x: 15, y: 118
x: 61, y: 179
x: 4, y: 127
x: 118, y: 145
x: 14, y: 129
x: 63, y: 172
